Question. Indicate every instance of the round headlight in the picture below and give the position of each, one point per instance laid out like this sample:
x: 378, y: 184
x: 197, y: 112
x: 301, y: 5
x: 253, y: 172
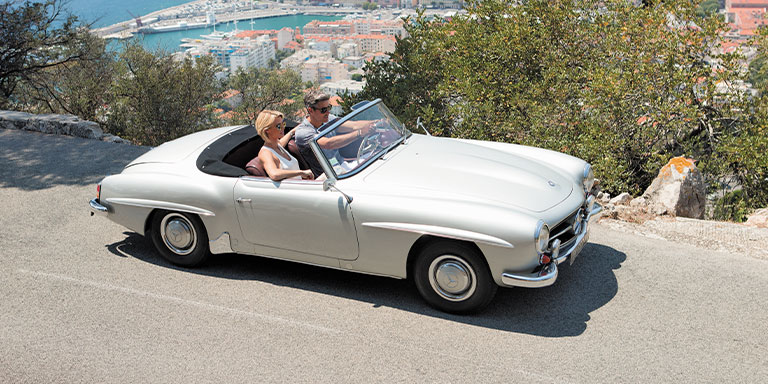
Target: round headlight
x: 588, y: 179
x: 541, y: 237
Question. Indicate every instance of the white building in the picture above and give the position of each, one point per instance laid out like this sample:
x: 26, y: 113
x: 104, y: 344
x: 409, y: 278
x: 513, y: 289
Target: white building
x: 354, y: 61
x: 321, y: 71
x: 238, y: 53
x: 296, y: 60
x: 347, y: 49
x: 285, y: 36
x: 339, y: 87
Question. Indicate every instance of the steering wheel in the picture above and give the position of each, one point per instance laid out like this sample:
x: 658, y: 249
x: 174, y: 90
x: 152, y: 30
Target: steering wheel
x: 368, y: 146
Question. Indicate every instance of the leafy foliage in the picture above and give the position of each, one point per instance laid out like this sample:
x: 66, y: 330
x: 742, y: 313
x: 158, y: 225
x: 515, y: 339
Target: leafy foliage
x: 154, y: 98
x: 266, y: 89
x: 36, y: 37
x: 625, y: 87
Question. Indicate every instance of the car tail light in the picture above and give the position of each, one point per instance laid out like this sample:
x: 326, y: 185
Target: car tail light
x: 98, y: 191
x: 544, y: 259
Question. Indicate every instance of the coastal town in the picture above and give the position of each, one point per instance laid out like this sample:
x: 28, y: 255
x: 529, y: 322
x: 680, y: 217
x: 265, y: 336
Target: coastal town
x: 333, y: 53
x: 330, y: 54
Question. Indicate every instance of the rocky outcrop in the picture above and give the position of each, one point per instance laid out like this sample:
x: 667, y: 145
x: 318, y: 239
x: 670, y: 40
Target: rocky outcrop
x: 678, y: 190
x: 56, y: 124
x: 758, y: 219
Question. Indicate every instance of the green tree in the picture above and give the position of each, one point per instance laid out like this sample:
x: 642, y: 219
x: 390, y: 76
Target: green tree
x: 266, y: 89
x: 34, y: 38
x: 623, y: 86
x: 408, y: 82
x: 156, y: 98
x: 78, y: 87
x: 708, y: 8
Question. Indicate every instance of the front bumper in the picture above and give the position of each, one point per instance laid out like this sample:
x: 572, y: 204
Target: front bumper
x: 97, y: 208
x: 548, y: 273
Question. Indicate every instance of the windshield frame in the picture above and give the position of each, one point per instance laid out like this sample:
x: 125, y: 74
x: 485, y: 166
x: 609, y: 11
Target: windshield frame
x: 324, y: 162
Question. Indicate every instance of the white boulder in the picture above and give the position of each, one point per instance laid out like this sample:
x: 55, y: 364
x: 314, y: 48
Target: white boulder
x: 678, y: 190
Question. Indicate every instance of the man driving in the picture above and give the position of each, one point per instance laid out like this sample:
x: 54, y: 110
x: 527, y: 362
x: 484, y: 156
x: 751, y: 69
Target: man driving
x: 318, y: 113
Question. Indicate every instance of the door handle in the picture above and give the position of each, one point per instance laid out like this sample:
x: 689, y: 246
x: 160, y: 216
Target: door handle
x: 241, y: 200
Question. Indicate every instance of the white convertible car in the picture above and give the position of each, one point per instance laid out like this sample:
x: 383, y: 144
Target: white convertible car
x: 459, y: 217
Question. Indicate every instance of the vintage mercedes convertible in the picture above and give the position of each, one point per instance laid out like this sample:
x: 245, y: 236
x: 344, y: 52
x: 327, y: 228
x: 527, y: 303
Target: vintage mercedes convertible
x: 459, y: 217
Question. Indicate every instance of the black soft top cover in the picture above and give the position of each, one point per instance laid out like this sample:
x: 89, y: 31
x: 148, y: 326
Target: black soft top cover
x: 228, y: 155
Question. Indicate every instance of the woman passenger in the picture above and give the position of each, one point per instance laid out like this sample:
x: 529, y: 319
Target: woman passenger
x: 277, y: 162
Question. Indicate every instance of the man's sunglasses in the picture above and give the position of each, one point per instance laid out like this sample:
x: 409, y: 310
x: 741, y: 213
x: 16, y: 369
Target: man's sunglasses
x: 323, y: 109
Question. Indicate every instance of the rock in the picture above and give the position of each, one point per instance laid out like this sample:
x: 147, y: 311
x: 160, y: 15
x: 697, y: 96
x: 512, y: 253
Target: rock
x: 638, y: 202
x: 604, y: 197
x: 758, y: 219
x: 621, y: 199
x: 678, y: 190
x: 55, y: 124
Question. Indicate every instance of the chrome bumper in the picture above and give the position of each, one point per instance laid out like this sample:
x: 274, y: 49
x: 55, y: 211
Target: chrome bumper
x: 548, y: 273
x: 98, y: 209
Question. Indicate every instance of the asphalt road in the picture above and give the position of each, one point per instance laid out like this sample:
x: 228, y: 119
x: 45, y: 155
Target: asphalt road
x: 84, y: 300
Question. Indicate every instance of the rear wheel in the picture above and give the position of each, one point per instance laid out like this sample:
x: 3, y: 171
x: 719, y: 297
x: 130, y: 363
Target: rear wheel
x: 180, y: 238
x: 453, y: 277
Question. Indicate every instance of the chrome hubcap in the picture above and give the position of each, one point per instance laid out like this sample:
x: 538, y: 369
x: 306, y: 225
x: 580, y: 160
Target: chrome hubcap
x: 452, y: 278
x: 178, y: 234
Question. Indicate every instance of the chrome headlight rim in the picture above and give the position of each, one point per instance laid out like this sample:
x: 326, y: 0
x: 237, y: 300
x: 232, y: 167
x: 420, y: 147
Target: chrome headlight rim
x: 541, y: 237
x: 588, y: 178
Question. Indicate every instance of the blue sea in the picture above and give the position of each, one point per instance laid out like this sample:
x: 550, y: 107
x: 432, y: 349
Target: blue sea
x: 107, y: 12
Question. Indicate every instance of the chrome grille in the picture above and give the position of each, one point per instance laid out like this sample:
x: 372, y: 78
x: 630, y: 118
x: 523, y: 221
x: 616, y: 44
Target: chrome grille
x: 565, y: 231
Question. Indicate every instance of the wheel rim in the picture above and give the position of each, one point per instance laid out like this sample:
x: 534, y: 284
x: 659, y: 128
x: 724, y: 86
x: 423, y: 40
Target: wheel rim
x: 452, y: 278
x: 178, y: 234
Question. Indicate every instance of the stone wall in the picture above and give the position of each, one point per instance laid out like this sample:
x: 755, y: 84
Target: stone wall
x: 56, y: 124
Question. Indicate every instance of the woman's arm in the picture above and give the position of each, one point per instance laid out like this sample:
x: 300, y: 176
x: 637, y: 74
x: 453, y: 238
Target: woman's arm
x: 287, y: 137
x: 272, y: 167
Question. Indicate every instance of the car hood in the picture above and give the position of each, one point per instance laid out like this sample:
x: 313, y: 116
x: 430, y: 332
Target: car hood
x: 442, y: 166
x: 178, y: 149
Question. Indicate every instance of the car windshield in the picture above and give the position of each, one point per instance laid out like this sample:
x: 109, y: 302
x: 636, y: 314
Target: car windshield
x: 365, y: 135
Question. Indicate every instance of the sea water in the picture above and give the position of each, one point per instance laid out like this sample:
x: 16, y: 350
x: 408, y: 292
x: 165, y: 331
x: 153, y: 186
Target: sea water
x: 107, y: 12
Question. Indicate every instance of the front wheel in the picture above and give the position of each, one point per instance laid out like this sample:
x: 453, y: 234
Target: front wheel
x: 180, y: 238
x: 454, y: 277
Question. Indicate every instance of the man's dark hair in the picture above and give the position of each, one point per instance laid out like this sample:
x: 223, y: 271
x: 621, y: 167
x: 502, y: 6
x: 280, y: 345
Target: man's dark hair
x: 315, y: 96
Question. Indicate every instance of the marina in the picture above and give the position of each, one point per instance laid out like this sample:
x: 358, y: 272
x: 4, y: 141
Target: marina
x: 205, y: 13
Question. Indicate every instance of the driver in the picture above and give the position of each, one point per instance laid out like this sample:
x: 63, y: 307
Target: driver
x: 319, y: 113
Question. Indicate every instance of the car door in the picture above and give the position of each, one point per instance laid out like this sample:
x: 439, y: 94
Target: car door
x: 295, y: 215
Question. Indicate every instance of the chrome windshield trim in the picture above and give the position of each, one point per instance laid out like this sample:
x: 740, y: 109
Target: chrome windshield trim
x: 327, y: 168
x: 446, y: 232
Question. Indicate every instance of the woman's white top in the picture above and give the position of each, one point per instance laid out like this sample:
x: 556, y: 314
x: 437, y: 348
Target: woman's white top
x: 289, y: 164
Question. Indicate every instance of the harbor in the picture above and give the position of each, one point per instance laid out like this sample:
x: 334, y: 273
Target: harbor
x: 209, y: 13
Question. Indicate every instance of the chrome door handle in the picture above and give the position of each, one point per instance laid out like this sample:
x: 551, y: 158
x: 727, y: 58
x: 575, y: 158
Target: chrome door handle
x: 241, y: 200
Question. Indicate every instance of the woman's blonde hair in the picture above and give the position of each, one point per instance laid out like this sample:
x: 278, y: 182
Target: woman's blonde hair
x: 264, y: 120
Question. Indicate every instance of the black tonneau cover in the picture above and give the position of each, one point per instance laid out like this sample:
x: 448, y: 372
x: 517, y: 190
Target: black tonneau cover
x: 212, y: 159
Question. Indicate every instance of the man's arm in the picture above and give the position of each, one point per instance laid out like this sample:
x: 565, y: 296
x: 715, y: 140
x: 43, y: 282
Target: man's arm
x: 340, y: 140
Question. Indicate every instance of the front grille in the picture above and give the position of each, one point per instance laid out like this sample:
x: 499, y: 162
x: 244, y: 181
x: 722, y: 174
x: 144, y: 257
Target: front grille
x: 564, y: 230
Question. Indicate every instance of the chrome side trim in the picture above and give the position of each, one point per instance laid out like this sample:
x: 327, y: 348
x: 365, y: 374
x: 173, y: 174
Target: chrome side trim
x: 451, y: 233
x: 160, y: 204
x: 532, y: 280
x: 221, y: 244
x: 98, y: 209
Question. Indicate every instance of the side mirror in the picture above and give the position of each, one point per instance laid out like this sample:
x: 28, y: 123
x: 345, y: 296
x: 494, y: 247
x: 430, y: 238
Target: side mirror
x: 327, y: 184
x: 331, y: 184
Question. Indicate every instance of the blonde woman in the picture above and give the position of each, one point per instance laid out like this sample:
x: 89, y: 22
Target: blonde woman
x: 277, y: 162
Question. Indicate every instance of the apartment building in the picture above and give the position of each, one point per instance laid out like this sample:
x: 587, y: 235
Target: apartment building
x: 322, y: 70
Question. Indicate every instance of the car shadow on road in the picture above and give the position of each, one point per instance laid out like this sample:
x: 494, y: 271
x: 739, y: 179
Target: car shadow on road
x: 34, y: 161
x: 557, y: 311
